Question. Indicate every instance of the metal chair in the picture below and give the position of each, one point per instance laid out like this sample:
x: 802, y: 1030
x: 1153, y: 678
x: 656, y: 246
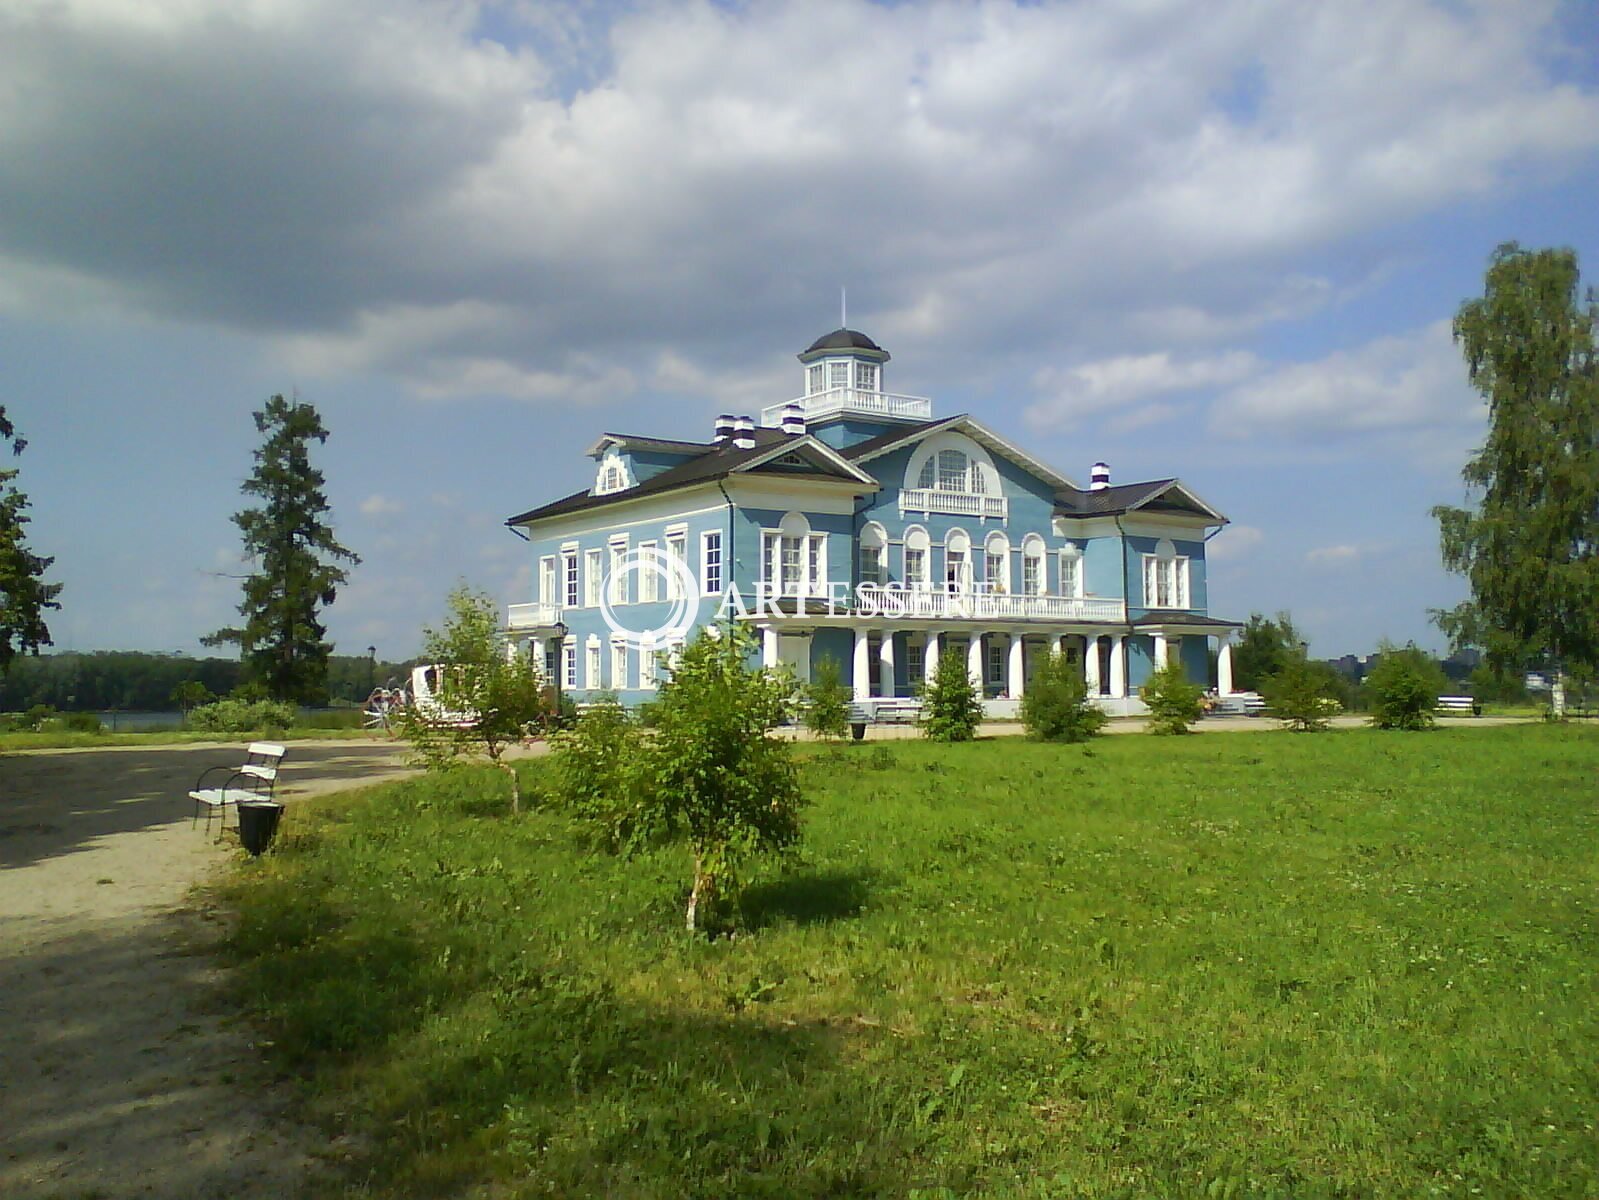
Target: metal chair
x: 254, y: 780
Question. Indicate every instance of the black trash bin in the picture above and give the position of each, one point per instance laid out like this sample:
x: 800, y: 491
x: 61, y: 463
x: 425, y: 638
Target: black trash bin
x: 258, y: 823
x: 859, y: 730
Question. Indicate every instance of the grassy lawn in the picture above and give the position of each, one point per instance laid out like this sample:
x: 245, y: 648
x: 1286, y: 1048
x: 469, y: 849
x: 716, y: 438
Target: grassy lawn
x: 68, y: 740
x: 1353, y: 964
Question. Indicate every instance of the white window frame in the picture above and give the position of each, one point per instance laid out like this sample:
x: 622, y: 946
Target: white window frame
x: 593, y: 663
x: 593, y: 576
x: 815, y: 379
x: 549, y: 582
x: 865, y: 377
x: 1166, y: 575
x: 647, y: 680
x: 571, y: 581
x: 917, y: 542
x: 618, y: 665
x: 569, y: 663
x: 618, y: 549
x: 677, y: 551
x: 915, y: 660
x: 996, y: 658
x: 711, y: 565
x: 1071, y: 578
x: 649, y: 583
x: 837, y: 373
x: 805, y: 552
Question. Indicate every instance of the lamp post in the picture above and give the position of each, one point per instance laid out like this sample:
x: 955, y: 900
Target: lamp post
x: 371, y: 669
x: 559, y: 629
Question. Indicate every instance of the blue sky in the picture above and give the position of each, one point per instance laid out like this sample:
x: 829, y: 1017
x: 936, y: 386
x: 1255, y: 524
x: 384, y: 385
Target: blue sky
x: 1219, y: 240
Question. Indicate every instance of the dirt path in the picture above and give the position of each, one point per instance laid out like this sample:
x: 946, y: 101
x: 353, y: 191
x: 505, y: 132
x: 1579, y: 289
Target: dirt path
x: 119, y: 1076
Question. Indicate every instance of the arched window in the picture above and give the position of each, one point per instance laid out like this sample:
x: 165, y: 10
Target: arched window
x: 952, y: 471
x: 795, y: 558
x: 916, y: 558
x: 996, y: 563
x: 1165, y: 577
x: 874, y: 554
x: 957, y: 561
x: 1033, y: 565
x: 611, y: 477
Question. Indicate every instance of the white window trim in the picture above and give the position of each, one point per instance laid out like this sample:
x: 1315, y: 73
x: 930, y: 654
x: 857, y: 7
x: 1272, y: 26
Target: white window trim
x: 677, y: 551
x: 549, y: 580
x: 705, y: 562
x: 618, y: 550
x: 1177, y: 564
x: 649, y: 583
x: 593, y: 575
x: 1075, y: 589
x: 593, y: 663
x: 571, y: 578
x: 619, y: 665
x: 569, y: 663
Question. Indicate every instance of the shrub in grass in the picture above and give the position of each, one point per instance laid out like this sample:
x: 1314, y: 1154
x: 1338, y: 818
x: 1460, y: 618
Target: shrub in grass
x: 242, y: 716
x: 1055, y: 707
x: 1403, y: 689
x: 1174, y: 704
x: 950, y: 706
x: 596, y: 766
x: 712, y: 773
x: 1301, y: 695
x: 827, y: 701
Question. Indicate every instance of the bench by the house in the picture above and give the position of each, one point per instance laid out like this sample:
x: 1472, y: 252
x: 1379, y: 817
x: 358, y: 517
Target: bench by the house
x: 1239, y: 704
x: 253, y: 780
x: 883, y: 711
x: 1459, y: 706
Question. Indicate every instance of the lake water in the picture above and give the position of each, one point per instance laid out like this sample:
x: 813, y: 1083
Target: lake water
x: 133, y: 722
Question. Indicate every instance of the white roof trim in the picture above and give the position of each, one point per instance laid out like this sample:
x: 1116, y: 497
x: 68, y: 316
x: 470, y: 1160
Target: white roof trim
x: 984, y: 437
x: 807, y: 442
x: 1179, y: 485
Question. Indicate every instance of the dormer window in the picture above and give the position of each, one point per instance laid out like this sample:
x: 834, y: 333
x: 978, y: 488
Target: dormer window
x: 613, y: 476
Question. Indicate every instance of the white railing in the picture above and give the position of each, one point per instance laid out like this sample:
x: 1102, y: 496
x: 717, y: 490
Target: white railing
x: 853, y: 400
x: 959, y: 504
x: 531, y: 616
x: 987, y: 606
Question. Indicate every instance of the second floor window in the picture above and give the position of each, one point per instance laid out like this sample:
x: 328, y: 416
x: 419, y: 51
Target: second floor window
x: 1165, y: 582
x: 547, y: 582
x: 711, y: 562
x: 916, y: 567
x: 994, y: 571
x: 594, y: 560
x: 569, y: 569
x: 677, y: 550
x: 1071, y: 575
x: 871, y: 564
x: 649, y: 580
x: 1032, y: 577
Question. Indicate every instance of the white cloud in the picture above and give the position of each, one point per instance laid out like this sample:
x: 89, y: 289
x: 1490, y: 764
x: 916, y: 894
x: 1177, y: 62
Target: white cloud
x: 1332, y: 556
x: 1415, y: 383
x: 1116, y: 383
x: 1234, y: 542
x: 378, y: 506
x: 382, y: 186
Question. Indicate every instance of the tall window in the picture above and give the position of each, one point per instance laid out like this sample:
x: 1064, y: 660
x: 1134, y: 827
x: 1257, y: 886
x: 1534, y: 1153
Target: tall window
x: 791, y: 572
x: 594, y: 569
x: 951, y: 471
x: 793, y: 561
x: 547, y: 589
x: 915, y: 567
x: 1165, y: 581
x: 618, y: 580
x: 711, y: 562
x: 816, y: 379
x: 996, y: 662
x: 618, y: 665
x: 871, y: 564
x: 646, y: 667
x: 955, y: 570
x: 838, y: 375
x: 1032, y: 584
x: 569, y: 569
x: 569, y: 664
x: 994, y: 571
x: 865, y: 377
x: 915, y: 661
x: 677, y: 551
x: 1071, y: 572
x: 649, y: 581
x: 592, y: 665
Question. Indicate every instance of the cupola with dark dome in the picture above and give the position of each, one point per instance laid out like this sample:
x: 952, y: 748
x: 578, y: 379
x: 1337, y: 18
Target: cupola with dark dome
x: 844, y: 379
x: 847, y: 340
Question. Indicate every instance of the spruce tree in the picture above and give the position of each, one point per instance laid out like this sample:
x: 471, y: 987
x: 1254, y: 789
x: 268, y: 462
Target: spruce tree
x: 296, y: 559
x: 1530, y: 545
x: 24, y: 595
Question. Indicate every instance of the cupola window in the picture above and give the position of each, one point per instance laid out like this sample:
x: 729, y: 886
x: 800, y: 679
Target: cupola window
x: 865, y: 377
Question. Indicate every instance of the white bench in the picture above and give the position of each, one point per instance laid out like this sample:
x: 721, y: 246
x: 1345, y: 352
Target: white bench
x: 254, y: 780
x: 885, y: 710
x: 1459, y: 706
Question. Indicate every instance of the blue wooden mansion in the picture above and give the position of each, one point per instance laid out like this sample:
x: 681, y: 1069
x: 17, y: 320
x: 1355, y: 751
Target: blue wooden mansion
x: 853, y: 523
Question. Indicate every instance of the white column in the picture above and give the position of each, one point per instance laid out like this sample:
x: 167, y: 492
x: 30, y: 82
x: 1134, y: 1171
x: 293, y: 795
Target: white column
x: 1160, y: 650
x: 1118, y: 666
x: 1016, y: 678
x: 1224, y: 669
x: 974, y: 660
x: 930, y: 655
x: 861, y: 667
x: 885, y: 664
x: 768, y: 646
x: 1091, y: 664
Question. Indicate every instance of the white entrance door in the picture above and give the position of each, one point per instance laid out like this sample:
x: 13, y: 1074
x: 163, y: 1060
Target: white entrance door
x: 794, y: 650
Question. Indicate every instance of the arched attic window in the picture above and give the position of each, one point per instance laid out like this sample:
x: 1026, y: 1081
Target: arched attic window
x: 612, y: 476
x: 996, y: 563
x: 952, y: 470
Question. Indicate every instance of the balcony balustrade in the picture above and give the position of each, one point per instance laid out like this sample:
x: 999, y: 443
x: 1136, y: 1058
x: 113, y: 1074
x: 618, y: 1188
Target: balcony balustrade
x: 853, y: 400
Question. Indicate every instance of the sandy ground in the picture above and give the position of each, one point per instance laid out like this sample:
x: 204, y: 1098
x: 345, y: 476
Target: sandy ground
x: 120, y: 1073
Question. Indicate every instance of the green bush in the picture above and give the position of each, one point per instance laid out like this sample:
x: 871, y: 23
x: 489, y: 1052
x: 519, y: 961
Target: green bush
x: 1055, y: 707
x: 596, y: 768
x: 1302, y: 694
x: 1402, y: 690
x: 827, y: 701
x: 242, y: 716
x: 1174, y: 704
x: 950, y: 705
x: 81, y: 722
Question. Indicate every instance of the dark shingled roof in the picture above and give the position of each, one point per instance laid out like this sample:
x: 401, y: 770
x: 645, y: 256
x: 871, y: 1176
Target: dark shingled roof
x: 843, y: 339
x: 899, y: 433
x: 669, y: 445
x: 716, y: 462
x: 1085, y: 502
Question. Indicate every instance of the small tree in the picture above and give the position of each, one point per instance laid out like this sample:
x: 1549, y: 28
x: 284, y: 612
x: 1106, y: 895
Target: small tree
x: 24, y: 595
x: 1264, y: 647
x: 597, y: 764
x: 190, y: 694
x: 1055, y: 706
x: 487, y: 699
x: 1174, y: 704
x: 713, y: 773
x: 1403, y: 688
x: 827, y: 701
x: 1302, y: 694
x: 950, y: 707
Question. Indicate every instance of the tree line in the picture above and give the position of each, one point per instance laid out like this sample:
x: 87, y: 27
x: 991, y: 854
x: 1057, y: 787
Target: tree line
x: 135, y: 681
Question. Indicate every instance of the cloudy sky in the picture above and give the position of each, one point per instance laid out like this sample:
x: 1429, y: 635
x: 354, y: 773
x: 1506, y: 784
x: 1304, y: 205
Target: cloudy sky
x: 1220, y: 239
